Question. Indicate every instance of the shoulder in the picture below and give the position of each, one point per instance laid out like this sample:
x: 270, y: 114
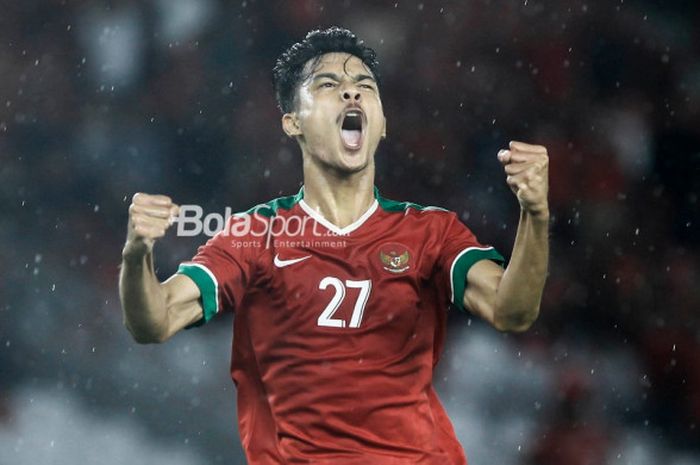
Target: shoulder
x: 248, y: 229
x: 433, y: 221
x: 273, y: 207
x: 406, y: 208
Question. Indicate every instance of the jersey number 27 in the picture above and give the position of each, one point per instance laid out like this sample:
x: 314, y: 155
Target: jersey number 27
x: 326, y: 317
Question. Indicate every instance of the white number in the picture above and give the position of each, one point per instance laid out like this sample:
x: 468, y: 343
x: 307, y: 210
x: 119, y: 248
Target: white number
x: 326, y: 317
x: 364, y: 286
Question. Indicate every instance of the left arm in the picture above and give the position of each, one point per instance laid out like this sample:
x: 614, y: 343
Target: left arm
x: 510, y: 299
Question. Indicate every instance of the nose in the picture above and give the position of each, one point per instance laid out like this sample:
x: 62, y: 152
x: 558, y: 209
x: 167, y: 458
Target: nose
x: 351, y: 94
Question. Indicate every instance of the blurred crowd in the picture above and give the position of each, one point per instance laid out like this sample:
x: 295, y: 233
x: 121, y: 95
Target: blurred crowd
x: 99, y: 100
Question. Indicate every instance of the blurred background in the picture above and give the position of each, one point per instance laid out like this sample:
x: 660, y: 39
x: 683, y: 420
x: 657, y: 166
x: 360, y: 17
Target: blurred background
x: 99, y: 100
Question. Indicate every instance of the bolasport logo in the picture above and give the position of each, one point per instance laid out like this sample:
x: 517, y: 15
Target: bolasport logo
x: 251, y: 225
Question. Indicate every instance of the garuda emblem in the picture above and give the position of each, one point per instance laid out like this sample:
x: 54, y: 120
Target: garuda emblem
x: 395, y: 260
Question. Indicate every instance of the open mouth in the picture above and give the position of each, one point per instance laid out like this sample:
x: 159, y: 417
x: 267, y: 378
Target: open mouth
x: 351, y: 129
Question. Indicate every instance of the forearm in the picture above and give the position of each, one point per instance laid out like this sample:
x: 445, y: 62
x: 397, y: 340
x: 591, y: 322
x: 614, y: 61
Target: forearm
x: 520, y: 289
x: 143, y: 300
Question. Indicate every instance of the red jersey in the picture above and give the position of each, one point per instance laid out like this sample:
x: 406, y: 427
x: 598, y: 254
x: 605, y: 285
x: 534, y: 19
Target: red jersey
x: 337, y: 330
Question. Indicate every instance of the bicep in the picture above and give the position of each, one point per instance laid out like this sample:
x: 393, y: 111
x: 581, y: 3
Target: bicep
x: 182, y: 297
x: 480, y: 293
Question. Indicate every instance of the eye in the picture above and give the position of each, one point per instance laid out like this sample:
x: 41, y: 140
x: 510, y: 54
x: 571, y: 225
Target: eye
x: 327, y: 84
x: 367, y: 86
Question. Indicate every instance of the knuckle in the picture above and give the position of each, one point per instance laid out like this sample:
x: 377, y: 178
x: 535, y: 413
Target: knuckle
x: 155, y: 213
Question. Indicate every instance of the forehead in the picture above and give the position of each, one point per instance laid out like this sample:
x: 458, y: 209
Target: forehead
x: 337, y: 63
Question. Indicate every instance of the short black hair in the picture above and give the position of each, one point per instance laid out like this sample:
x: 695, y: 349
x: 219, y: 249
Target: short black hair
x: 287, y: 74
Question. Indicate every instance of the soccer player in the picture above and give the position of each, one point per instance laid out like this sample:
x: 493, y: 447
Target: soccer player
x: 340, y: 295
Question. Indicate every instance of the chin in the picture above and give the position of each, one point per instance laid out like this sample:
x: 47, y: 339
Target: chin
x: 345, y: 167
x: 355, y: 162
x: 346, y: 170
x: 344, y: 162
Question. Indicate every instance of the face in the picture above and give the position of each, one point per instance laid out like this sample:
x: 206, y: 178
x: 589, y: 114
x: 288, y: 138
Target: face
x: 339, y: 118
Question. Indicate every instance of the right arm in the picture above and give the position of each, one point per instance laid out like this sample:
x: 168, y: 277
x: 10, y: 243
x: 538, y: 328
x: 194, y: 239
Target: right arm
x: 153, y: 311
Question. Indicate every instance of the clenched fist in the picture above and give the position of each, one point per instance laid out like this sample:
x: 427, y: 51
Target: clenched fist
x: 149, y: 217
x: 527, y: 168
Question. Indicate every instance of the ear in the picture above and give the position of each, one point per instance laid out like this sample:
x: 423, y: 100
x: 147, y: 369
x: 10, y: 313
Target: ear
x: 384, y: 129
x: 290, y: 124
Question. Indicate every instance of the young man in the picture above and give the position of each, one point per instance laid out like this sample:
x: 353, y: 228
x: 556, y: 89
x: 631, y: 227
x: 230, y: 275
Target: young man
x: 340, y: 296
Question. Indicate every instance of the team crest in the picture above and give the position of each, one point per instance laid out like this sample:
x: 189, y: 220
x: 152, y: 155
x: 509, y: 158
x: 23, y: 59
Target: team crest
x: 395, y: 258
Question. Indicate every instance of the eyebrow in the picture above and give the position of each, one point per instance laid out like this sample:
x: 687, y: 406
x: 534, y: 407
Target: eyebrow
x: 335, y: 77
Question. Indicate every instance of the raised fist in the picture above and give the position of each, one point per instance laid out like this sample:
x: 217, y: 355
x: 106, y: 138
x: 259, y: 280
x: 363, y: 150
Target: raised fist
x: 149, y: 217
x: 527, y: 172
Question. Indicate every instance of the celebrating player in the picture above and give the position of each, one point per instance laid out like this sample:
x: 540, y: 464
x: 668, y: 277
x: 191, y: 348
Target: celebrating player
x: 340, y: 295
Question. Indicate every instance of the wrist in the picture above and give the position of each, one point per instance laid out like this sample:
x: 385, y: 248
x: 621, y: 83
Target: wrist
x: 539, y: 214
x: 135, y: 251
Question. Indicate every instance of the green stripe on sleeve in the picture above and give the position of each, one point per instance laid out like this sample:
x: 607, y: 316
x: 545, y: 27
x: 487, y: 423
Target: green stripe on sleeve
x: 461, y: 265
x: 208, y: 288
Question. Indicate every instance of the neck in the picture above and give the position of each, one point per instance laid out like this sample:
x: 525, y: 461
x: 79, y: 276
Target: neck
x: 340, y: 198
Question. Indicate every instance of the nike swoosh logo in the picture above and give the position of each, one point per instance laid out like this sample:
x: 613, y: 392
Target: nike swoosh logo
x: 279, y: 263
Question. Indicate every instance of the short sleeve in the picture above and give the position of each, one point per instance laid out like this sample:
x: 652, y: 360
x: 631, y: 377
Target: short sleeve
x: 221, y: 270
x: 460, y: 250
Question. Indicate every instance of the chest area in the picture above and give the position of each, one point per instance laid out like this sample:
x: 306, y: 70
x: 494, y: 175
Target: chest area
x: 346, y: 287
